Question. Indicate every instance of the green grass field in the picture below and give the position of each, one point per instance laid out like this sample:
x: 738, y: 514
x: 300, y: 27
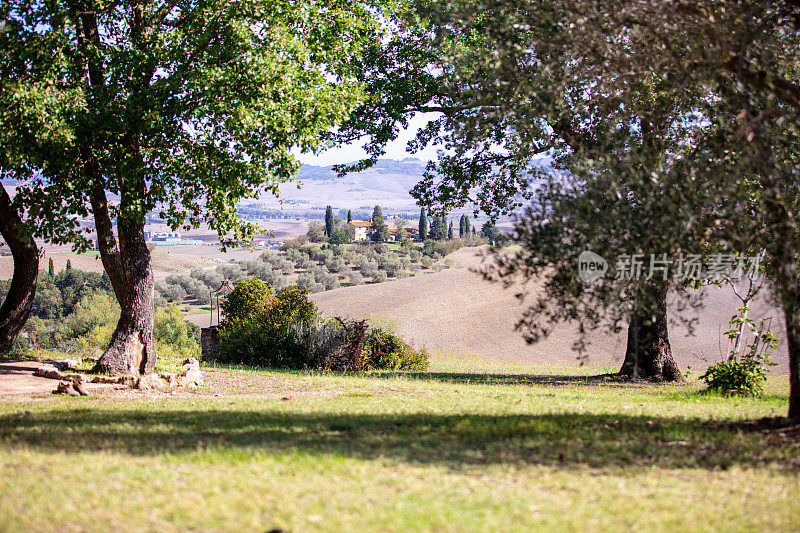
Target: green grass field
x: 475, y: 448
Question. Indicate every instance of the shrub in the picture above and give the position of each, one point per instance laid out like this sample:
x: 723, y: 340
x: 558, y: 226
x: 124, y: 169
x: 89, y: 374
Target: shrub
x: 743, y: 378
x: 316, y: 232
x: 211, y: 278
x: 283, y: 264
x: 744, y: 373
x: 336, y: 264
x: 439, y: 249
x: 90, y: 326
x: 379, y: 277
x: 392, y: 265
x: 388, y: 351
x: 174, y: 338
x: 175, y: 293
x: 356, y: 278
x: 368, y: 268
x: 266, y: 337
x: 352, y: 346
x: 248, y: 300
x: 303, y: 262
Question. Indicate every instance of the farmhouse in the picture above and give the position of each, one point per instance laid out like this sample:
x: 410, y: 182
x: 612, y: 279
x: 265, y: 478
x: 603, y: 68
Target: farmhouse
x: 364, y: 231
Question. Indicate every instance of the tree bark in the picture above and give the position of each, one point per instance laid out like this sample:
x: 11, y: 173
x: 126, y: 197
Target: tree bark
x: 19, y: 301
x: 781, y: 218
x: 649, y: 354
x: 130, y: 270
x: 793, y: 341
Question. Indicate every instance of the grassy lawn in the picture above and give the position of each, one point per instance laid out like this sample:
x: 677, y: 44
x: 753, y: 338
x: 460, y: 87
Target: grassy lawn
x: 462, y: 448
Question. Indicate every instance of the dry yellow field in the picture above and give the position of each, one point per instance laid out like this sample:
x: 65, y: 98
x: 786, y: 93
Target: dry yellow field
x: 456, y: 313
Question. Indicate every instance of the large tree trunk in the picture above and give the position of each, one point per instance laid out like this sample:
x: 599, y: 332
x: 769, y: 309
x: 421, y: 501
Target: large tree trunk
x: 649, y: 354
x: 793, y: 341
x: 129, y: 268
x: 19, y: 301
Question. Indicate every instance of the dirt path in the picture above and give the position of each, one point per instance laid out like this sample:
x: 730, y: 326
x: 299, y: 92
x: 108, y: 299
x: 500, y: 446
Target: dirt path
x: 17, y: 377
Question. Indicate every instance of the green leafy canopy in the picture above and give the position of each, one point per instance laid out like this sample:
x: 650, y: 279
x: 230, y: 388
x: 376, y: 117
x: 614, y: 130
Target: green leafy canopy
x: 182, y: 107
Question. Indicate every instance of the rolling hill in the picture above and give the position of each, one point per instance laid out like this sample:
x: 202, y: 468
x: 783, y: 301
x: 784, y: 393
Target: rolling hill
x: 457, y: 314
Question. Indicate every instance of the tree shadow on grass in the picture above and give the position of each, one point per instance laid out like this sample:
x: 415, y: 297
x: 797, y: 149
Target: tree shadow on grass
x: 453, y: 441
x: 610, y: 380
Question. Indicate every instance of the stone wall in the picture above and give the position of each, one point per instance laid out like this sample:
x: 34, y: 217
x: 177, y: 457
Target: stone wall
x: 209, y: 343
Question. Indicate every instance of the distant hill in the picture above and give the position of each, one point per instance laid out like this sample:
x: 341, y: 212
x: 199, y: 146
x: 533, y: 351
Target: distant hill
x: 386, y: 183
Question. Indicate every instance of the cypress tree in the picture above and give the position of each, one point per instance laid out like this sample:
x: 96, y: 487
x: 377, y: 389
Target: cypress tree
x: 329, y: 221
x: 450, y: 231
x: 466, y: 226
x: 423, y: 225
x: 51, y: 269
x: 349, y: 216
x: 377, y: 216
x: 69, y: 265
x: 439, y: 228
x: 380, y: 231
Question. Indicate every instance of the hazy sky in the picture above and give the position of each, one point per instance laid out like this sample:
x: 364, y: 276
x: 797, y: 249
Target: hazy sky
x: 394, y: 150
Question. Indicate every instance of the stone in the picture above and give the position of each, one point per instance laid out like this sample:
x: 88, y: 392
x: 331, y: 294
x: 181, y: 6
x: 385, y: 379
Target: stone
x: 191, y: 364
x: 107, y: 379
x: 169, y: 378
x: 191, y: 378
x: 66, y: 364
x: 77, y: 384
x: 49, y: 371
x: 65, y: 387
x: 149, y: 382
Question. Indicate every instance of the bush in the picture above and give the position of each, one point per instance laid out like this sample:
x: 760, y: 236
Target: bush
x: 284, y: 265
x: 316, y: 232
x: 742, y: 378
x: 286, y: 331
x: 265, y: 337
x: 368, y: 269
x: 744, y: 373
x: 352, y: 346
x: 439, y: 249
x: 294, y: 243
x: 247, y: 300
x: 90, y: 326
x: 388, y: 351
x: 336, y: 264
x: 174, y: 338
